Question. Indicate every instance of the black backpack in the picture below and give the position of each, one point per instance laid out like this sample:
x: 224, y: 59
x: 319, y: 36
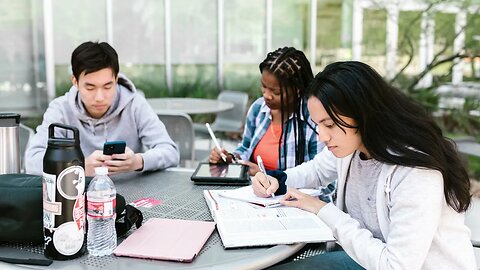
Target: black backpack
x: 21, y: 209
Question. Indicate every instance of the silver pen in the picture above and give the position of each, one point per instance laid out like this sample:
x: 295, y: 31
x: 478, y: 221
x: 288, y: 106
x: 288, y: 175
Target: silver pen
x: 262, y: 169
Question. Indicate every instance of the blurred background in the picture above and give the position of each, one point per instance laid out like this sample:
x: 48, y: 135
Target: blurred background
x: 197, y: 48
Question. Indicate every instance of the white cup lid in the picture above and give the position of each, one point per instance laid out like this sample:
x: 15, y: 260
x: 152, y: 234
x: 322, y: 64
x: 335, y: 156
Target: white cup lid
x: 101, y: 170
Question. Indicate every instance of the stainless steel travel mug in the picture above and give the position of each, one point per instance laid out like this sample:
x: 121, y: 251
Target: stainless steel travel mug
x: 9, y: 143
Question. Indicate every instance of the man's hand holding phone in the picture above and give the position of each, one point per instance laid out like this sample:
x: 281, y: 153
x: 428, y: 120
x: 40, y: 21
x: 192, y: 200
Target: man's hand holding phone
x: 114, y: 147
x: 116, y: 156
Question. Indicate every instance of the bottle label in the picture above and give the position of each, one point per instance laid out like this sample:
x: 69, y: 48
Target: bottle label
x: 50, y: 206
x: 67, y: 239
x: 101, y: 209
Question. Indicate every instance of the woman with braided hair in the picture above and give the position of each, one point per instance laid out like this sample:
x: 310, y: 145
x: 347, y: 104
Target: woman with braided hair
x: 278, y: 126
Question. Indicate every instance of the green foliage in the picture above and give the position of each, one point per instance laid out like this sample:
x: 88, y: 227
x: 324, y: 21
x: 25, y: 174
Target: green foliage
x: 455, y: 122
x: 427, y: 97
x: 62, y: 79
x: 375, y: 29
x: 148, y: 78
x: 33, y: 121
x: 474, y: 167
x: 243, y: 77
x: 461, y: 121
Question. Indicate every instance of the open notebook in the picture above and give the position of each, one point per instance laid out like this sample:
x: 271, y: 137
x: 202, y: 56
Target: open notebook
x: 243, y: 224
x: 246, y: 194
x: 167, y: 239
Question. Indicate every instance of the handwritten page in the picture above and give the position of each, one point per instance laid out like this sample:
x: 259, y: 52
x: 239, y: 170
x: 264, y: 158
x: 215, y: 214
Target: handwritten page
x: 246, y: 194
x: 242, y: 224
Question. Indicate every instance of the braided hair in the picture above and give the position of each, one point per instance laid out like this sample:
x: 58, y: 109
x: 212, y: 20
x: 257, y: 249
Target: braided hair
x: 293, y: 72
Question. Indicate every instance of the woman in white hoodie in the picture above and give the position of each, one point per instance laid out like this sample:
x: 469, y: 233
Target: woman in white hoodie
x: 402, y: 189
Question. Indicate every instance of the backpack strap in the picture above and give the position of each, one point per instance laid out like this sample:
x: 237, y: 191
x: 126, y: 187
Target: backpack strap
x: 127, y: 215
x: 132, y: 216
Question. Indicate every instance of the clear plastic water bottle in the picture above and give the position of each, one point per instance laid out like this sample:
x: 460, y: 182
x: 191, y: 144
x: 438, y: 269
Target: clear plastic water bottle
x: 101, y: 194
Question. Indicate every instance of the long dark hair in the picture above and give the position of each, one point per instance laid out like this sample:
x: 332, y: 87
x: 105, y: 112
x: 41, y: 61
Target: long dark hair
x: 293, y: 72
x: 393, y: 128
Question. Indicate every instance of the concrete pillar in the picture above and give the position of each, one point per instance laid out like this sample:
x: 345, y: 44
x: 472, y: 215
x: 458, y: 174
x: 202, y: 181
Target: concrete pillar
x: 168, y: 46
x: 109, y: 21
x: 427, y: 34
x: 220, y: 44
x: 391, y: 39
x: 268, y: 26
x: 357, y: 30
x: 49, y: 48
x: 313, y: 34
x: 346, y: 34
x: 458, y: 45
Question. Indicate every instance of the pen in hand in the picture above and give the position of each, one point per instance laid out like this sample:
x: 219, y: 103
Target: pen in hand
x: 224, y: 157
x: 262, y: 169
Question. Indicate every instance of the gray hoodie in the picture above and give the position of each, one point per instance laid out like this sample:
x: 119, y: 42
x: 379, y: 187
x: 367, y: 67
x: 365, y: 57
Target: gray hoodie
x: 130, y: 118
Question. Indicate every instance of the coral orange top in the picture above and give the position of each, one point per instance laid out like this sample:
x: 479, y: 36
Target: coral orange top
x: 267, y: 147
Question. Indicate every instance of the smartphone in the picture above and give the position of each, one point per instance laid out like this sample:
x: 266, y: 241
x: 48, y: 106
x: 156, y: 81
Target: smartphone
x: 114, y: 147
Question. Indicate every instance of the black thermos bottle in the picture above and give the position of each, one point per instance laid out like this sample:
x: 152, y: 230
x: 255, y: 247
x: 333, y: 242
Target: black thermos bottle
x: 64, y: 196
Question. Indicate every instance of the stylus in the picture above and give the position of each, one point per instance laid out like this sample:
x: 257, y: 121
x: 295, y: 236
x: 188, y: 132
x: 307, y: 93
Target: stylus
x: 224, y: 157
x: 30, y: 261
x: 262, y: 169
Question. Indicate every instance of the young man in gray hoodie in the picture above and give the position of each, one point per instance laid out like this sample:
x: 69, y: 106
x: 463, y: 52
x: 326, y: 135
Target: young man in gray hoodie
x: 105, y: 106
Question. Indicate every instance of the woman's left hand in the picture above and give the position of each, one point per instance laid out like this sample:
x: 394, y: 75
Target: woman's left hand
x: 303, y: 201
x: 252, y: 167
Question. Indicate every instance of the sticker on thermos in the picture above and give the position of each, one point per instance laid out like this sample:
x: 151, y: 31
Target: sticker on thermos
x: 67, y: 239
x: 50, y: 206
x: 71, y: 182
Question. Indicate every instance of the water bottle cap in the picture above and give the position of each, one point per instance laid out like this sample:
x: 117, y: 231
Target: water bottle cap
x: 9, y: 119
x: 101, y: 170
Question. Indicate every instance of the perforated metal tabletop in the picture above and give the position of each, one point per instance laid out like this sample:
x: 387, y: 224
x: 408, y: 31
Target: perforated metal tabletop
x: 181, y: 199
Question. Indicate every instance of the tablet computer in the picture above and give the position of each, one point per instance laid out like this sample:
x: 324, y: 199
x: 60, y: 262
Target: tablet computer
x: 221, y: 174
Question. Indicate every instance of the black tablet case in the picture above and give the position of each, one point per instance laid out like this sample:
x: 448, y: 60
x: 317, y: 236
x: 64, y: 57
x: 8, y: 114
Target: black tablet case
x: 242, y: 180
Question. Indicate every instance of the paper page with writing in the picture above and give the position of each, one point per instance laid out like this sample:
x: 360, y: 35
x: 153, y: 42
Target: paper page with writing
x: 246, y: 194
x: 242, y: 224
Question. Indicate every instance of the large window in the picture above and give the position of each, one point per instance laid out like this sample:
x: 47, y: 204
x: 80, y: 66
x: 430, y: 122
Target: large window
x: 74, y: 22
x: 189, y: 56
x: 244, y: 43
x: 291, y: 24
x: 374, y: 36
x: 194, y: 47
x: 22, y: 64
x: 139, y: 38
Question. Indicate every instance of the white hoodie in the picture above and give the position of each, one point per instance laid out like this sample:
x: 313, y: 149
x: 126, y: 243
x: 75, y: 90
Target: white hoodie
x: 130, y: 118
x: 420, y: 230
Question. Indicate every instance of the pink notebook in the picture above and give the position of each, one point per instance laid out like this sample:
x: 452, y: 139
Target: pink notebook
x: 167, y: 239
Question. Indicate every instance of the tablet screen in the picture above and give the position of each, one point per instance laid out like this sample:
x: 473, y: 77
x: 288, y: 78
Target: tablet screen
x: 219, y: 170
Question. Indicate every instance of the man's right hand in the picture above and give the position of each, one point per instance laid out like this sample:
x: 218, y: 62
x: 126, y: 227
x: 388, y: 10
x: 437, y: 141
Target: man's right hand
x: 96, y: 159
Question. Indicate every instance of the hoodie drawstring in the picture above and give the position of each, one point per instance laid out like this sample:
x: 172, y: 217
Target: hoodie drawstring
x: 92, y: 127
x: 105, y: 131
